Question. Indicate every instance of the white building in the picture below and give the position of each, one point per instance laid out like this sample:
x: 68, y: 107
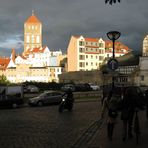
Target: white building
x: 85, y: 54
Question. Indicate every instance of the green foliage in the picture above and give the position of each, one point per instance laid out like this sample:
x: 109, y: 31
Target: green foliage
x: 3, y: 80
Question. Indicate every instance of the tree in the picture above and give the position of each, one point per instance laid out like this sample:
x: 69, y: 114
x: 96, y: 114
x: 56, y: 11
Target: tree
x: 3, y: 80
x: 111, y: 1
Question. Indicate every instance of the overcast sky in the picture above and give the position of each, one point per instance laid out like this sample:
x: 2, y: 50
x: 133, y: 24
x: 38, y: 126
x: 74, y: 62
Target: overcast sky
x: 63, y: 18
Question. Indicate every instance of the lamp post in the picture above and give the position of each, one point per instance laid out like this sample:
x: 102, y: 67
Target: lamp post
x: 113, y: 36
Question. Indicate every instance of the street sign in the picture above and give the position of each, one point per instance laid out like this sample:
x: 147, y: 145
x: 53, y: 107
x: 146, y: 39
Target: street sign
x: 112, y: 64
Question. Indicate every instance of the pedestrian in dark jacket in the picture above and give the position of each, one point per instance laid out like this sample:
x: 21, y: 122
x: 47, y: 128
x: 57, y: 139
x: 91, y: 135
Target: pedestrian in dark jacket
x: 127, y: 113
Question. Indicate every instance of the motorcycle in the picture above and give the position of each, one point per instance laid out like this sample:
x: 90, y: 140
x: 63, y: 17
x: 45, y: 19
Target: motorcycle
x: 66, y: 104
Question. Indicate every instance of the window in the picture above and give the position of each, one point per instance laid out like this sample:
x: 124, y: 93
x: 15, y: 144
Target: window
x: 81, y: 57
x: 142, y: 78
x: 38, y: 39
x: 27, y: 39
x: 32, y: 38
x: 81, y: 43
x: 82, y: 64
x: 86, y: 56
x: 101, y: 58
x: 100, y: 44
x: 32, y: 27
x: 81, y: 50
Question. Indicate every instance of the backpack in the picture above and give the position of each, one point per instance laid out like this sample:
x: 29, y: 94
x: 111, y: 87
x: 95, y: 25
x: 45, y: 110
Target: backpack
x: 112, y: 106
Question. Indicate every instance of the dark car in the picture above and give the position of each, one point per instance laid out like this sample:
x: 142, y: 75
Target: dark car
x: 82, y: 87
x: 68, y: 87
x: 11, y: 101
x: 46, y: 98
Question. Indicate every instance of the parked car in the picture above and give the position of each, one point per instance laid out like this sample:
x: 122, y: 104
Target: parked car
x: 94, y: 87
x: 67, y: 87
x: 46, y: 98
x: 32, y: 89
x: 82, y: 87
x: 11, y: 96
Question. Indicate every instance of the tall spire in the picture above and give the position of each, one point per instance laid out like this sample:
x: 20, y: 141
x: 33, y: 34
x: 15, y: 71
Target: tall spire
x: 32, y: 12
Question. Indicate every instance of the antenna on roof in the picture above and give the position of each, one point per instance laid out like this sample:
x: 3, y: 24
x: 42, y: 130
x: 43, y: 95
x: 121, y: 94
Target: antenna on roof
x: 32, y: 12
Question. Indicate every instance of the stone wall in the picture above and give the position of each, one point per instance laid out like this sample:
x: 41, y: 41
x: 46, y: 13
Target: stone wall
x: 95, y: 77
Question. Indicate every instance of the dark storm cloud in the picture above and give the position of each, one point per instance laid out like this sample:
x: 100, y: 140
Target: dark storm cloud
x: 63, y: 18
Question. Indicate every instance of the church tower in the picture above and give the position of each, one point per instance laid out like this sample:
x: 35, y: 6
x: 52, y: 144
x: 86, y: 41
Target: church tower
x: 32, y: 33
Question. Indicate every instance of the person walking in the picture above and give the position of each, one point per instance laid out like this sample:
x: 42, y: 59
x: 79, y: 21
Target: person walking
x: 110, y: 104
x: 129, y: 105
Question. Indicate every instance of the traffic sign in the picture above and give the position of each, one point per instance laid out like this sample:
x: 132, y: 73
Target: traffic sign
x: 112, y: 64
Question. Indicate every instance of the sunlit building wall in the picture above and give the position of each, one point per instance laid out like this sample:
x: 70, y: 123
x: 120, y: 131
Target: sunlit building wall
x: 32, y: 33
x: 85, y: 54
x: 22, y: 73
x: 145, y: 46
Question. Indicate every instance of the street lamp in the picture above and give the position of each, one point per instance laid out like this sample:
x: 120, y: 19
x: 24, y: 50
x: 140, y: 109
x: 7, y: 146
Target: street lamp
x: 113, y: 35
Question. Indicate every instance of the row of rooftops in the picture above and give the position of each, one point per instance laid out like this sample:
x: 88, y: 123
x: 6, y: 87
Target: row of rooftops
x: 108, y: 43
x: 4, y: 62
x: 33, y: 19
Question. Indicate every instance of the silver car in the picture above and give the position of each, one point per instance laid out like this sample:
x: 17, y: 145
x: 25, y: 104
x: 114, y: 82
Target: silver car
x: 32, y: 89
x: 46, y: 98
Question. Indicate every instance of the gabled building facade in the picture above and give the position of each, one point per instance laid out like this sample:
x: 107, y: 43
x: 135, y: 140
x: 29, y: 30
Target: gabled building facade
x: 85, y: 54
x: 36, y: 63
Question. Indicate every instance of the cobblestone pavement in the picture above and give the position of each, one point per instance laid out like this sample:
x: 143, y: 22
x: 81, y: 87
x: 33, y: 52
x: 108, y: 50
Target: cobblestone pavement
x: 45, y: 127
x: 100, y: 140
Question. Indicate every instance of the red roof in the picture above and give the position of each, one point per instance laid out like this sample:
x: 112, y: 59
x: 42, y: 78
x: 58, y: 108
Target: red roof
x: 92, y: 39
x: 35, y: 50
x: 4, y: 62
x: 118, y: 45
x: 33, y: 19
x: 88, y: 39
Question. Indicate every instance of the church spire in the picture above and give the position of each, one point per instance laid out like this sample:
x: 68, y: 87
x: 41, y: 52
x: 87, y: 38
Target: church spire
x: 32, y: 12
